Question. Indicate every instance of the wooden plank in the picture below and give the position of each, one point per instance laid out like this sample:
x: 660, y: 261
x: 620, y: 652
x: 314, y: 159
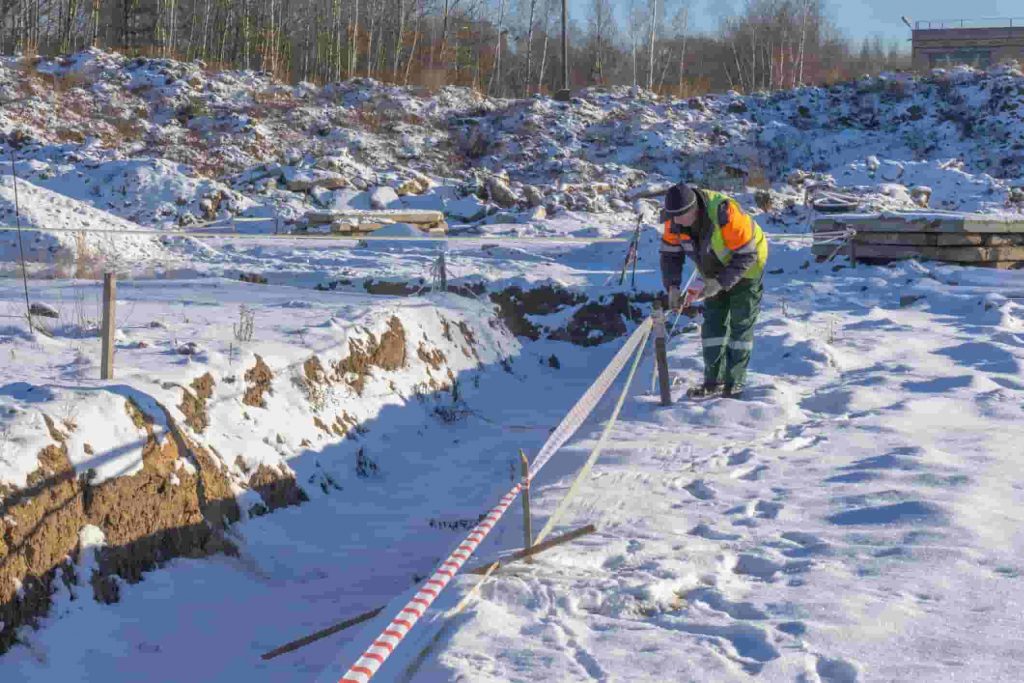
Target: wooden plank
x: 951, y: 254
x: 921, y: 223
x: 907, y: 239
x: 888, y: 223
x: 539, y: 548
x: 941, y: 239
x: 414, y: 216
x: 321, y: 634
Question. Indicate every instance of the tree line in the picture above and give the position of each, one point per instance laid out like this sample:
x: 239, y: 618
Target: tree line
x: 500, y: 47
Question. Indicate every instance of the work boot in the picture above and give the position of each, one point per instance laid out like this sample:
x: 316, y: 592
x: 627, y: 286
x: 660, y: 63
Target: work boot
x: 706, y: 390
x: 733, y: 391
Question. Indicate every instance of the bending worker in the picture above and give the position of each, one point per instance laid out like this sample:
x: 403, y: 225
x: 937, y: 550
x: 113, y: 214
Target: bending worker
x: 729, y: 251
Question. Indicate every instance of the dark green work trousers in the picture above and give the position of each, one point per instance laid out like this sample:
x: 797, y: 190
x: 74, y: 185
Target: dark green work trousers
x: 728, y: 332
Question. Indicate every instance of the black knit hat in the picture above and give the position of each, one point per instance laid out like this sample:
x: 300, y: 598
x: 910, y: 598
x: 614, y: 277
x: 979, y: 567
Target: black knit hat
x: 679, y: 199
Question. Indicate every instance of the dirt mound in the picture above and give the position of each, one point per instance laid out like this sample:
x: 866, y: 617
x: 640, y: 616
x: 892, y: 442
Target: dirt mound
x: 277, y: 489
x: 174, y: 507
x: 257, y: 379
x: 387, y: 354
x: 193, y: 406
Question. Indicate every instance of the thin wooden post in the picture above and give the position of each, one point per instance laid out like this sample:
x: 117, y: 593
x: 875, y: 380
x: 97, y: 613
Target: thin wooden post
x: 853, y: 253
x: 109, y: 323
x: 661, y: 354
x: 527, y: 527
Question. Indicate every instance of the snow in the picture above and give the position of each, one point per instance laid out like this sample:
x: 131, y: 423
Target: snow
x: 856, y: 517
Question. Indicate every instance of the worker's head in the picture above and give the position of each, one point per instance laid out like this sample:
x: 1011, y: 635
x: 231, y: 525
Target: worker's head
x: 681, y: 205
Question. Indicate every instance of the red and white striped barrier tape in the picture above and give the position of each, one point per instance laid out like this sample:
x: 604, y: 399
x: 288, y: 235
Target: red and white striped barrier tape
x: 388, y: 640
x: 385, y: 643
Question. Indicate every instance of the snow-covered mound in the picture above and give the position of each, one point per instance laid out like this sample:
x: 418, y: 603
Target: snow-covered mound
x: 42, y: 208
x: 167, y: 142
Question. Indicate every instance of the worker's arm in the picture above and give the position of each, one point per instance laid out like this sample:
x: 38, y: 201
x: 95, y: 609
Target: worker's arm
x: 738, y: 231
x: 672, y: 268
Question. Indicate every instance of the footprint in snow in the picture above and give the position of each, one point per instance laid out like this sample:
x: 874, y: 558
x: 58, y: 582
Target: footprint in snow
x: 793, y: 628
x: 699, y: 489
x: 835, y: 670
x: 705, y: 531
x: 765, y: 569
x: 741, y: 458
x: 750, y: 474
x: 807, y: 545
x: 718, y: 602
x: 908, y: 512
x: 767, y: 510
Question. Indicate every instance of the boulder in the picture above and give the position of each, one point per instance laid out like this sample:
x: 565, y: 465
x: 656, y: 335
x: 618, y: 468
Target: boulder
x: 383, y: 198
x: 891, y: 170
x: 305, y: 179
x: 921, y: 194
x: 501, y: 193
x: 467, y: 210
x: 534, y: 197
x: 537, y: 213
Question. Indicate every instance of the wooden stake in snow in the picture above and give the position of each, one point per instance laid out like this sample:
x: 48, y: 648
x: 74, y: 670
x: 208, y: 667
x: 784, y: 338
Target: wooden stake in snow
x: 527, y: 528
x: 109, y: 303
x: 661, y: 353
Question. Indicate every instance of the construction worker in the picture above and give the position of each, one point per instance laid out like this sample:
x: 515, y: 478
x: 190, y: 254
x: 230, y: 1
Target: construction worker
x: 729, y: 251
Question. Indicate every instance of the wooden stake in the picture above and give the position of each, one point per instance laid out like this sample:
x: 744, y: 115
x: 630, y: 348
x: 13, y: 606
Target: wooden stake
x: 661, y: 354
x: 539, y: 548
x: 527, y: 529
x: 319, y: 635
x: 109, y: 323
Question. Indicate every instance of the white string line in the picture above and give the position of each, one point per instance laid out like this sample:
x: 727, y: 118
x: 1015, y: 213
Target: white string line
x: 819, y: 238
x: 599, y: 447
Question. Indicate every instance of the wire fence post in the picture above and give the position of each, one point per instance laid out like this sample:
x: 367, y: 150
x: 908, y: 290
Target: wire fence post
x: 527, y: 527
x: 661, y: 353
x: 109, y: 303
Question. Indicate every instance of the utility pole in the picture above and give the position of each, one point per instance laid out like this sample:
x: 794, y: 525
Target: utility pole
x: 563, y: 95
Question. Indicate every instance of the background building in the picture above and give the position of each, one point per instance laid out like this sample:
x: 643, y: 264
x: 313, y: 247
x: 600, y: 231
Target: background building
x: 975, y: 42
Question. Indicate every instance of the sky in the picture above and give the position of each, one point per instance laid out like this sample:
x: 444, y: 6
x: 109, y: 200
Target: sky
x: 857, y: 18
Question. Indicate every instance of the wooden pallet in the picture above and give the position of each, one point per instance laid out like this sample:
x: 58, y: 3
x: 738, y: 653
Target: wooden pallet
x: 953, y: 238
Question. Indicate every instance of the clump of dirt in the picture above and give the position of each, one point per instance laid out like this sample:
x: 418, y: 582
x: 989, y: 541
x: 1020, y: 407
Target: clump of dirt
x: 599, y: 321
x: 277, y: 489
x: 314, y: 371
x: 193, y: 406
x: 435, y: 358
x: 514, y: 305
x: 387, y: 354
x: 389, y: 288
x: 257, y: 379
x: 346, y: 425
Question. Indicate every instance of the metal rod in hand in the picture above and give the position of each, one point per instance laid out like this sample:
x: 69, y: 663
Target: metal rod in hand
x: 661, y: 353
x: 109, y: 317
x: 527, y: 527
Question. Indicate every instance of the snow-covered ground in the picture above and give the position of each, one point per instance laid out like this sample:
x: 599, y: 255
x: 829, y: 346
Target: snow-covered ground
x: 857, y: 517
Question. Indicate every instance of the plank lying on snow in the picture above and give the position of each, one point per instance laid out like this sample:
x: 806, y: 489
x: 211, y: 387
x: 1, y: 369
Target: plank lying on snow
x: 416, y: 217
x: 919, y: 223
x: 940, y: 239
x: 952, y: 254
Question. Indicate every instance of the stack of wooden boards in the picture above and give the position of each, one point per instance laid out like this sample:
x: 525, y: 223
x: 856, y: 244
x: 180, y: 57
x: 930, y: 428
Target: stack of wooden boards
x: 355, y: 222
x: 969, y: 239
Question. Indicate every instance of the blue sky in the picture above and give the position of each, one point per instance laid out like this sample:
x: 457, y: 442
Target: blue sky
x: 858, y: 18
